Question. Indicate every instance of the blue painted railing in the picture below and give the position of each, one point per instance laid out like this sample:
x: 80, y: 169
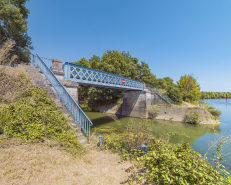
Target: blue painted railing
x: 73, y: 107
x: 160, y: 93
x: 91, y: 77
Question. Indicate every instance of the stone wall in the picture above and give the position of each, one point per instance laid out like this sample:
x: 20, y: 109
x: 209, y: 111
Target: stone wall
x: 178, y: 113
x: 136, y: 103
x: 157, y: 99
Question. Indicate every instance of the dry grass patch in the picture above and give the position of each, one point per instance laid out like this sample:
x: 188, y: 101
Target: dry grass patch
x: 13, y: 83
x: 38, y: 163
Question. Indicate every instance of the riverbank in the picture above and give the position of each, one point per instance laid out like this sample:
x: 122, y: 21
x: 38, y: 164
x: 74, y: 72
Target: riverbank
x: 169, y: 112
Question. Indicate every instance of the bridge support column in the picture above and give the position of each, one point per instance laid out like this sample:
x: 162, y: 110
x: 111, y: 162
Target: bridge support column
x: 70, y: 86
x: 136, y: 103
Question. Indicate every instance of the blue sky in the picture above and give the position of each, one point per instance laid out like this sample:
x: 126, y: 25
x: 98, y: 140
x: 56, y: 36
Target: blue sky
x: 175, y: 37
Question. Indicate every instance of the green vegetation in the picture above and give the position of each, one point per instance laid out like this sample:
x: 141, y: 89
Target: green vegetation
x: 154, y: 111
x: 115, y: 62
x: 164, y: 162
x: 13, y: 27
x: 174, y: 94
x: 212, y: 110
x: 189, y: 88
x: 30, y: 115
x: 123, y: 64
x: 192, y: 117
x: 214, y: 95
x: 164, y: 83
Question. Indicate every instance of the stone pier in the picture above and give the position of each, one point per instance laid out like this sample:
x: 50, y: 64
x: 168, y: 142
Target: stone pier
x: 70, y: 86
x: 138, y: 103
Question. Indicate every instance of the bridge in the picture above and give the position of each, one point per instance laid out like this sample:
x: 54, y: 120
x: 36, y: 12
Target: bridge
x: 89, y: 77
x: 137, y: 99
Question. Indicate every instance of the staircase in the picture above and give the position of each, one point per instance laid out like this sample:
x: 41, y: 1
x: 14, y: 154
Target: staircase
x: 162, y: 95
x: 38, y: 78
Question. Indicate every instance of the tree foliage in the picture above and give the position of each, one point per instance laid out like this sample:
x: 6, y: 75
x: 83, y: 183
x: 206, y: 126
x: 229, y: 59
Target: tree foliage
x: 189, y: 88
x: 13, y: 26
x: 174, y: 93
x: 164, y: 83
x: 215, y: 95
x: 5, y: 53
x: 115, y: 62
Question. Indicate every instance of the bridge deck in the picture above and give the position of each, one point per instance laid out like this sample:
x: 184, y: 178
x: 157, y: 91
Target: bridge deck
x: 94, y: 78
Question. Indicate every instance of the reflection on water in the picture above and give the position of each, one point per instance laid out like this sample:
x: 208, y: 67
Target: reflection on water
x: 199, y: 135
x: 159, y: 127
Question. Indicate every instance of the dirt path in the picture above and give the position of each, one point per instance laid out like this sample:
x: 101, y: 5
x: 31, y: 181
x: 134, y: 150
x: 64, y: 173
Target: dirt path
x: 41, y: 164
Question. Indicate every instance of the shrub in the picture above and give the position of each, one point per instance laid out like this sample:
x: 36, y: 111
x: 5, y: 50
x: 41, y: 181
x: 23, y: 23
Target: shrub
x: 212, y: 110
x: 174, y: 94
x: 34, y: 117
x: 215, y: 112
x: 154, y: 111
x: 6, y: 53
x: 192, y: 117
x: 133, y: 137
x: 164, y: 162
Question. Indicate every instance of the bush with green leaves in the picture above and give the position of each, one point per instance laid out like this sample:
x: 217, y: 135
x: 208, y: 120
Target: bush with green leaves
x: 28, y: 113
x: 133, y: 137
x: 192, y: 117
x: 174, y: 93
x: 164, y: 162
x: 34, y: 118
x: 154, y: 111
x: 212, y: 110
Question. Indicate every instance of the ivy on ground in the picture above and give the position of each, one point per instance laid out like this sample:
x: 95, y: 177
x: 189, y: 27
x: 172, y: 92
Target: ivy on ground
x: 34, y: 117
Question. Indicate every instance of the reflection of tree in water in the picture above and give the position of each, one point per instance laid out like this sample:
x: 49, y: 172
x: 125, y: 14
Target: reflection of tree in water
x: 159, y: 127
x: 191, y: 130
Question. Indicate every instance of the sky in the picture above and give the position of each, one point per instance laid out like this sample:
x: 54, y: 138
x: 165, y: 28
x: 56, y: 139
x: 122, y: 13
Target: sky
x: 174, y: 37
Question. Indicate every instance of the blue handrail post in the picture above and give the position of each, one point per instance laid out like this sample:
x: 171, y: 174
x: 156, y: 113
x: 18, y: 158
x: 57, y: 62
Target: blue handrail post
x: 100, y: 140
x: 65, y: 96
x: 143, y: 148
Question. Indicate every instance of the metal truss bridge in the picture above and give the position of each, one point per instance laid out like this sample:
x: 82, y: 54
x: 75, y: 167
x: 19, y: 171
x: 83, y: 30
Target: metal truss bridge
x: 94, y: 78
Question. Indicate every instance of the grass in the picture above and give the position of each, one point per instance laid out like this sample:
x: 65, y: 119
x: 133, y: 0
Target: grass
x: 41, y: 163
x: 47, y: 162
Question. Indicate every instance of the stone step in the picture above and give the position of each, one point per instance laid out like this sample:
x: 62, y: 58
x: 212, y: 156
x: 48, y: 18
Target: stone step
x: 38, y: 78
x: 80, y: 134
x: 83, y: 141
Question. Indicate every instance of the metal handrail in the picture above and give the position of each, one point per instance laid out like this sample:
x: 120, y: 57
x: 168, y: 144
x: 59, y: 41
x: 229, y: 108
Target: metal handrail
x: 160, y: 93
x: 73, y: 107
x: 96, y: 78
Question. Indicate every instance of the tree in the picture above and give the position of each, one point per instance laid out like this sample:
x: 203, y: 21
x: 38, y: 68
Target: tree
x: 174, y: 93
x: 115, y: 62
x: 83, y: 62
x: 189, y: 87
x: 5, y: 53
x: 13, y: 26
x: 145, y: 74
x: 161, y: 83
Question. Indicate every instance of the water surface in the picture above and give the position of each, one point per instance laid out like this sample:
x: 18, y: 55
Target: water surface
x: 199, y: 135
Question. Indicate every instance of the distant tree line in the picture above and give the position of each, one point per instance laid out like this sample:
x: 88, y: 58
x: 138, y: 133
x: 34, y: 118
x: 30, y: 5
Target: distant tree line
x: 215, y: 95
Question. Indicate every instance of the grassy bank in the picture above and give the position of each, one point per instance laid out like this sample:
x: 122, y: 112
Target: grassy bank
x: 28, y: 114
